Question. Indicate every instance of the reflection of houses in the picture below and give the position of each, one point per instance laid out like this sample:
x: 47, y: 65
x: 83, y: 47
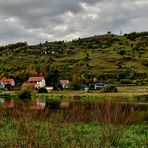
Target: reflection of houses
x: 38, y: 82
x: 64, y: 83
x: 9, y: 104
x: 38, y: 104
x: 7, y: 83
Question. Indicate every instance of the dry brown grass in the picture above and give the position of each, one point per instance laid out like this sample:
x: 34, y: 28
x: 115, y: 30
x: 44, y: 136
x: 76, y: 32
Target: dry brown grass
x: 29, y: 124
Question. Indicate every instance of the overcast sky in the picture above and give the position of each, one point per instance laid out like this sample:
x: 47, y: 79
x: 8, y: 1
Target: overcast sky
x: 37, y: 21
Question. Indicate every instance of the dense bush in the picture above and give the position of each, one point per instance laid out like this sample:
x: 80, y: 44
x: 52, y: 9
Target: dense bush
x: 74, y: 86
x: 25, y: 94
x: 134, y: 35
x: 109, y: 88
x: 125, y: 81
x: 42, y: 90
x: 121, y: 51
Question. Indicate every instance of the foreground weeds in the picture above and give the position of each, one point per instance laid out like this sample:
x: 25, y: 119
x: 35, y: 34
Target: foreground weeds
x: 104, y: 124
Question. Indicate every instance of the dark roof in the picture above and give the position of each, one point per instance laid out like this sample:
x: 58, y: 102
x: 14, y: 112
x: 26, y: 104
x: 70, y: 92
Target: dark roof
x: 35, y: 79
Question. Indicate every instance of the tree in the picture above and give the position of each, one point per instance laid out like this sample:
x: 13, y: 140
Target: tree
x: 38, y: 69
x: 53, y: 77
x: 109, y: 88
x: 121, y: 51
x: 42, y: 90
x: 74, y: 86
x: 109, y: 32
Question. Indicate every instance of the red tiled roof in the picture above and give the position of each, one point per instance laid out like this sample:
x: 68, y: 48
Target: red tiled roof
x: 64, y: 82
x: 7, y: 81
x: 35, y: 79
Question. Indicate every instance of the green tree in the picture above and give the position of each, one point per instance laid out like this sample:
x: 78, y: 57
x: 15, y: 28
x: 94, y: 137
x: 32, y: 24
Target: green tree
x: 42, y: 90
x: 38, y: 69
x: 74, y: 86
x: 109, y: 88
x: 53, y: 78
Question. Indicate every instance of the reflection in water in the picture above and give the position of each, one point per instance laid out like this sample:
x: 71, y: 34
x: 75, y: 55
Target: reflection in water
x: 51, y: 104
x: 83, y: 110
x: 37, y: 104
x: 7, y: 103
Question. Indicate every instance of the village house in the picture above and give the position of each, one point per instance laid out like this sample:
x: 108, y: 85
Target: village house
x: 64, y: 83
x: 99, y: 85
x: 96, y: 86
x: 7, y: 83
x: 38, y: 82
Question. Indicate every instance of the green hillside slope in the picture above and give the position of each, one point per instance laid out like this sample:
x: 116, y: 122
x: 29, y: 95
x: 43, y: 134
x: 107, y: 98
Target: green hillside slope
x: 111, y: 58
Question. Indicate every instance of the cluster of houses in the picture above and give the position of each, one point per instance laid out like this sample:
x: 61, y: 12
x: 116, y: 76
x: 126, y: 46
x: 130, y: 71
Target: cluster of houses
x: 39, y: 82
x: 33, y: 82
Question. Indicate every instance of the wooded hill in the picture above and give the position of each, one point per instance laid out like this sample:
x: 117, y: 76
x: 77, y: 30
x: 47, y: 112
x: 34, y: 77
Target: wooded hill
x: 111, y: 58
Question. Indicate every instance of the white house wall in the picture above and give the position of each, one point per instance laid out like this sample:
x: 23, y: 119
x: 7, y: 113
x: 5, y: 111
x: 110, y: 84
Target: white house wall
x: 42, y: 83
x: 2, y: 85
x: 13, y: 83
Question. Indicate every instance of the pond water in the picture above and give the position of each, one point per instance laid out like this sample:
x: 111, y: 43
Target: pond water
x: 84, y: 111
x: 34, y: 104
x: 42, y: 103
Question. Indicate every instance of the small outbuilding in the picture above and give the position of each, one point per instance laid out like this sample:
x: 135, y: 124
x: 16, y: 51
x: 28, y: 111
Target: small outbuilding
x: 64, y: 83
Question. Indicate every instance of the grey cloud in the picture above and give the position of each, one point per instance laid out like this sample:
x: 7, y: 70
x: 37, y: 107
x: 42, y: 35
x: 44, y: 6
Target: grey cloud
x: 91, y: 2
x: 40, y: 20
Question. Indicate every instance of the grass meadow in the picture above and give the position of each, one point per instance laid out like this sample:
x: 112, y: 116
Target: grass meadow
x: 92, y: 119
x: 101, y: 125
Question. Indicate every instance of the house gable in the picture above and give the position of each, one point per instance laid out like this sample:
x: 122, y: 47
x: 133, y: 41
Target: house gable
x: 64, y: 83
x: 10, y: 82
x: 38, y: 81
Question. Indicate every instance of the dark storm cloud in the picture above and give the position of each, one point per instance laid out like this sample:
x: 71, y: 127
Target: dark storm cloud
x: 41, y: 20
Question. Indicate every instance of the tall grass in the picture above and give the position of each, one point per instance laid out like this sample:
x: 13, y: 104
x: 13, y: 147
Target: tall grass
x: 65, y: 128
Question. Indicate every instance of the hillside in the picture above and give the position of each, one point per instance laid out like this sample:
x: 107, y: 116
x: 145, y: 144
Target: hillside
x: 111, y: 58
